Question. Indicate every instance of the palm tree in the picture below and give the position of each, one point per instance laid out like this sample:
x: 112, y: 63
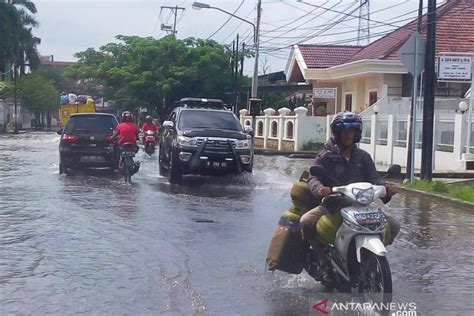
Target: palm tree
x: 16, y: 26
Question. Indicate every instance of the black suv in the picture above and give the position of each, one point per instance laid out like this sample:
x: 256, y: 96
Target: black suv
x: 86, y: 141
x: 201, y: 136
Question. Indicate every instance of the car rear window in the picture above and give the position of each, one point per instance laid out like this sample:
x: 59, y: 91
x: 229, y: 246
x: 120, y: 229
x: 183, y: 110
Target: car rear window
x: 91, y: 124
x: 209, y: 119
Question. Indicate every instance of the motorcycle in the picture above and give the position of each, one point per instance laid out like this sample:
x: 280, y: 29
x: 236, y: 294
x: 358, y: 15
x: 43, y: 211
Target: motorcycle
x: 149, y: 141
x: 358, y: 257
x: 127, y: 166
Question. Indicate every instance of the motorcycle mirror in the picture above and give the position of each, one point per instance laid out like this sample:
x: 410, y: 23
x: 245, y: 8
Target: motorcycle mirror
x: 249, y: 130
x: 168, y: 124
x: 394, y: 171
x: 59, y: 131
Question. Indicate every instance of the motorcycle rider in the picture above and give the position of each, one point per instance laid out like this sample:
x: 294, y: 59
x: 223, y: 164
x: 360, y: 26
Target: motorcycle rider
x: 346, y: 163
x: 149, y: 125
x: 126, y: 131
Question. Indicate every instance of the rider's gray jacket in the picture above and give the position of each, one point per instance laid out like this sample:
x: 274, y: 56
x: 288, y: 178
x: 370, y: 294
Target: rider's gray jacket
x: 359, y: 167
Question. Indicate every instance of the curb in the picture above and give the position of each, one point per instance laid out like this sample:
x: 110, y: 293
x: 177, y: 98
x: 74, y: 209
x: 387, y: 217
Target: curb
x: 290, y: 154
x: 446, y: 198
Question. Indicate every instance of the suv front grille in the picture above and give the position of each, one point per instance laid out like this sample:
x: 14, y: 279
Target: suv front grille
x: 220, y: 146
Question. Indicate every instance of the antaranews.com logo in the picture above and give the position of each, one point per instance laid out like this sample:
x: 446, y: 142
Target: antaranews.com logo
x: 324, y: 307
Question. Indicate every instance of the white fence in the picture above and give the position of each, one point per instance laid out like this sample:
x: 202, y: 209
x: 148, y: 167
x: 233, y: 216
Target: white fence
x: 281, y: 130
x: 386, y: 138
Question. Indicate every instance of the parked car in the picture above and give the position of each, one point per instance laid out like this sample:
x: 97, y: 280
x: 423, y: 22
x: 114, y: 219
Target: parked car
x: 86, y: 142
x: 201, y: 136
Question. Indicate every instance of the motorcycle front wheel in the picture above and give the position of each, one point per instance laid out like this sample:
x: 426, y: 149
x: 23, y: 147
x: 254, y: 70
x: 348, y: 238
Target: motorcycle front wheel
x: 376, y: 278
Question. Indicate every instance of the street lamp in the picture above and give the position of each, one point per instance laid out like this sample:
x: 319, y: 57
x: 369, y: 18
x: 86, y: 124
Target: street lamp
x: 200, y: 5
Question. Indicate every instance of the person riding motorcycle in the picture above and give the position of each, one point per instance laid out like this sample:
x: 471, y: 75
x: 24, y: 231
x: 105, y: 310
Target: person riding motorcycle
x: 345, y: 163
x: 126, y: 132
x: 149, y: 125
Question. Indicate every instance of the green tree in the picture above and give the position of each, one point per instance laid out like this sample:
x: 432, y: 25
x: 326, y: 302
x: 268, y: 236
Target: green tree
x: 39, y: 96
x: 18, y: 45
x: 153, y: 73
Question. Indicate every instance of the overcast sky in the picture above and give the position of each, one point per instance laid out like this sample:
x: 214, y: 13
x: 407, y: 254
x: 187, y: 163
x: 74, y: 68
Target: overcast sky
x: 70, y: 26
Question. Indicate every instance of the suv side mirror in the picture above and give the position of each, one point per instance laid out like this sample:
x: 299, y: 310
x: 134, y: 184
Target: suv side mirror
x: 168, y: 124
x: 59, y: 131
x: 249, y: 130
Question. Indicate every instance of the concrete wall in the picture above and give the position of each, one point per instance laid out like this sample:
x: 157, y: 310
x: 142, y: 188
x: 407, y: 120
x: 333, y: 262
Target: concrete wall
x: 449, y: 157
x: 305, y: 128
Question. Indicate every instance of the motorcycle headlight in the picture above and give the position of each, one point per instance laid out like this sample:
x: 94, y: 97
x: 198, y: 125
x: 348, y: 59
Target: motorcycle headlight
x: 187, y: 141
x: 364, y: 196
x: 149, y: 133
x: 242, y: 144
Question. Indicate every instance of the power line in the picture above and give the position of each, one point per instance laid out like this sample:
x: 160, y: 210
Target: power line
x: 236, y: 28
x: 227, y: 21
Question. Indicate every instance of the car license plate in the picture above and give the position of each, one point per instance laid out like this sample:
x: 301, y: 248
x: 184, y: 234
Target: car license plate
x: 216, y: 164
x: 92, y: 158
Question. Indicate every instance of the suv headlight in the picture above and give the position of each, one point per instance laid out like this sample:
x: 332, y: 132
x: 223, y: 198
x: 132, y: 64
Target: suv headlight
x: 242, y: 144
x: 364, y: 196
x: 187, y: 141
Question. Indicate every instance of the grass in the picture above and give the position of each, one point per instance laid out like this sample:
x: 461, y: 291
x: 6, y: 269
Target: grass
x: 461, y: 192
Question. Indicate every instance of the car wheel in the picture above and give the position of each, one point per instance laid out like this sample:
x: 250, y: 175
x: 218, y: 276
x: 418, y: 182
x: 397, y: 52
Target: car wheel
x: 62, y: 169
x: 161, y: 168
x: 174, y: 174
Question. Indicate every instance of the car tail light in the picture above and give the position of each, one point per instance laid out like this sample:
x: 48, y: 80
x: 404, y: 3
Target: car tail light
x: 109, y: 138
x: 69, y: 138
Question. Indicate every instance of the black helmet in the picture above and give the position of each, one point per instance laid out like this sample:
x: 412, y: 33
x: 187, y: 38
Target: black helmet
x: 344, y: 120
x: 148, y: 118
x: 127, y: 116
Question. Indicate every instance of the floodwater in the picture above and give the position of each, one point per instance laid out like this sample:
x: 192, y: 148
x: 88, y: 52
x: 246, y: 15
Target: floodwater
x: 90, y: 244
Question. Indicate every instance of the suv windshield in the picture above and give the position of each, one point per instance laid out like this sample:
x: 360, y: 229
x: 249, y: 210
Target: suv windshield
x: 209, y: 119
x: 100, y: 124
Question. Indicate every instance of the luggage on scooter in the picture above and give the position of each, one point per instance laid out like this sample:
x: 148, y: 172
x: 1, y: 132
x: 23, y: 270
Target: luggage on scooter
x: 327, y: 227
x: 286, y: 251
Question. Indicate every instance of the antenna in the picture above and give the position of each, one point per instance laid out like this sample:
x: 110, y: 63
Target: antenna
x: 364, y: 22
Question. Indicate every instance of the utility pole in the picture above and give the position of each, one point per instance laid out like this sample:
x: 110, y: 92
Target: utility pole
x: 411, y: 144
x: 239, y: 85
x: 232, y: 69
x: 256, y: 103
x: 175, y: 10
x: 236, y: 73
x: 15, y: 98
x: 428, y: 104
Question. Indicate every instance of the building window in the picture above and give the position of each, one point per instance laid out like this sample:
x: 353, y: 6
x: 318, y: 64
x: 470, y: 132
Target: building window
x: 274, y: 129
x: 372, y: 97
x: 289, y: 130
x: 260, y: 128
x: 348, y: 102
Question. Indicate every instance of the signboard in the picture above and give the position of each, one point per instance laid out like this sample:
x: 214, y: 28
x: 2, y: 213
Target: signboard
x: 452, y: 67
x: 324, y: 93
x: 412, y: 54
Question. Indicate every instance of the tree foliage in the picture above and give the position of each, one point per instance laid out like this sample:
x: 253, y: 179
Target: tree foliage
x: 153, y: 73
x: 37, y: 94
x: 17, y: 44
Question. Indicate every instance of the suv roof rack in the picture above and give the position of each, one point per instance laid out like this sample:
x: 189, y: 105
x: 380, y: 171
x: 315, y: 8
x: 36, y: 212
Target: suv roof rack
x: 217, y: 104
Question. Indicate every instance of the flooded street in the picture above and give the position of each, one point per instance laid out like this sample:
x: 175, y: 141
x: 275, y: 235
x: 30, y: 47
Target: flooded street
x: 88, y: 243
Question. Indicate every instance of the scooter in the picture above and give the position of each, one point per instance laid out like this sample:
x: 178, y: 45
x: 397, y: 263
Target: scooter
x: 358, y: 257
x: 149, y: 141
x: 127, y: 166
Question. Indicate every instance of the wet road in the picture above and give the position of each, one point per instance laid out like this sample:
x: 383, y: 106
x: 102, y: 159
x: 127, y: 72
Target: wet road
x: 90, y: 244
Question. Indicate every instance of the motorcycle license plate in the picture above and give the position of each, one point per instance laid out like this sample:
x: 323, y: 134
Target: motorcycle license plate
x: 127, y: 154
x: 216, y: 164
x: 369, y: 217
x: 92, y: 158
x: 150, y: 138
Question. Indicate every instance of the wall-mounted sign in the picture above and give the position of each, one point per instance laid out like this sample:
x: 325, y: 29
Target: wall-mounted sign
x: 324, y: 93
x: 452, y: 67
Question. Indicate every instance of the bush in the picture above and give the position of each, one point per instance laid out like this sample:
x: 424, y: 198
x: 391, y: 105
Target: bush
x: 312, y: 146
